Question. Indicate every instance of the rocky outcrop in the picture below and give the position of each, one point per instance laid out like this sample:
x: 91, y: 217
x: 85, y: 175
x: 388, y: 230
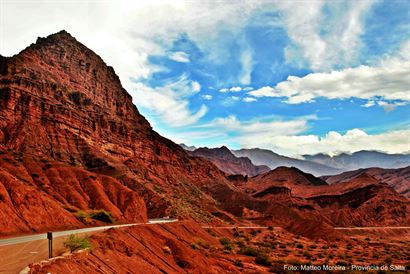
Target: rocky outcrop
x: 398, y: 178
x: 226, y: 161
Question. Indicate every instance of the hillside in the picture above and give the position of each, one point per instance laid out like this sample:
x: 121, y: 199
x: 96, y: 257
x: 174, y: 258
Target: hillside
x: 226, y: 161
x: 398, y: 178
x: 71, y: 140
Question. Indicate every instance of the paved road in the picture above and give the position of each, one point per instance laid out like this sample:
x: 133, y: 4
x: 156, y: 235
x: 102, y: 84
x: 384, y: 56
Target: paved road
x: 339, y: 228
x: 373, y: 227
x: 242, y: 227
x: 18, y: 252
x: 29, y: 238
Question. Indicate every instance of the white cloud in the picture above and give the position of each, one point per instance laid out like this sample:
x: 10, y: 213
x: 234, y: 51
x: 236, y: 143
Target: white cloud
x: 368, y: 104
x: 207, y: 97
x: 390, y: 80
x: 248, y: 88
x: 180, y: 56
x: 170, y: 102
x: 247, y: 66
x: 249, y: 99
x: 235, y: 89
x: 264, y: 92
x: 258, y: 127
x: 232, y: 89
x: 323, y: 44
x: 333, y: 142
x: 196, y: 87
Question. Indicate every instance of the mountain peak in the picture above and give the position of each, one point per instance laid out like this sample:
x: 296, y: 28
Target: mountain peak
x: 69, y: 87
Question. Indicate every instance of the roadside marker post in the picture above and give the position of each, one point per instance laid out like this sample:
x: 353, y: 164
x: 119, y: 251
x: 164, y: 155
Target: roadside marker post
x: 50, y: 244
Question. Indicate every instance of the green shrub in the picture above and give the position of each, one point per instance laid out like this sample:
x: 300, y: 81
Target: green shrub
x: 270, y: 228
x: 249, y: 251
x: 102, y: 215
x: 75, y: 243
x: 299, y: 246
x: 240, y: 243
x: 82, y: 216
x: 224, y: 241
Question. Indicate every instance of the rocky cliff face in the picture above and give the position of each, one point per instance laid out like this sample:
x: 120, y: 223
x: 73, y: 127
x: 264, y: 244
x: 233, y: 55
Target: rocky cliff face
x: 71, y: 137
x: 60, y: 100
x: 398, y: 178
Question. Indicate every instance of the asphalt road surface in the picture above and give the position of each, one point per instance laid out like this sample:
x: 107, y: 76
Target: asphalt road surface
x: 18, y: 252
x: 373, y: 227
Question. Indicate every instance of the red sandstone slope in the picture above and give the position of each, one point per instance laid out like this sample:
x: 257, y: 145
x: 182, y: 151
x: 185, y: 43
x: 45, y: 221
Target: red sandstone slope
x: 226, y: 161
x: 147, y: 249
x: 281, y: 179
x: 399, y: 178
x: 69, y: 127
x: 363, y: 201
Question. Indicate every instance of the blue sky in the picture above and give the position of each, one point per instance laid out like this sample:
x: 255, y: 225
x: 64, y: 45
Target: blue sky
x: 298, y: 78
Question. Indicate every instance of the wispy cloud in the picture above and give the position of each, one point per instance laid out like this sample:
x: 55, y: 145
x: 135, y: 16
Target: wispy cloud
x: 179, y: 56
x: 249, y: 99
x: 388, y: 80
x: 320, y: 44
x: 207, y: 97
x: 170, y: 102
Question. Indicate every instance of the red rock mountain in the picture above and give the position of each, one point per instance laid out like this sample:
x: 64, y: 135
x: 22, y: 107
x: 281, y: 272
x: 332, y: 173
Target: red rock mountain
x: 72, y: 141
x: 362, y: 201
x: 399, y: 178
x: 226, y: 161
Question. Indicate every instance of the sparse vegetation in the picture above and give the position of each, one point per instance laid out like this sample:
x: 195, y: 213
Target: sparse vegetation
x: 263, y: 259
x: 83, y: 216
x: 249, y: 251
x: 226, y: 243
x: 76, y: 243
x: 100, y: 215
